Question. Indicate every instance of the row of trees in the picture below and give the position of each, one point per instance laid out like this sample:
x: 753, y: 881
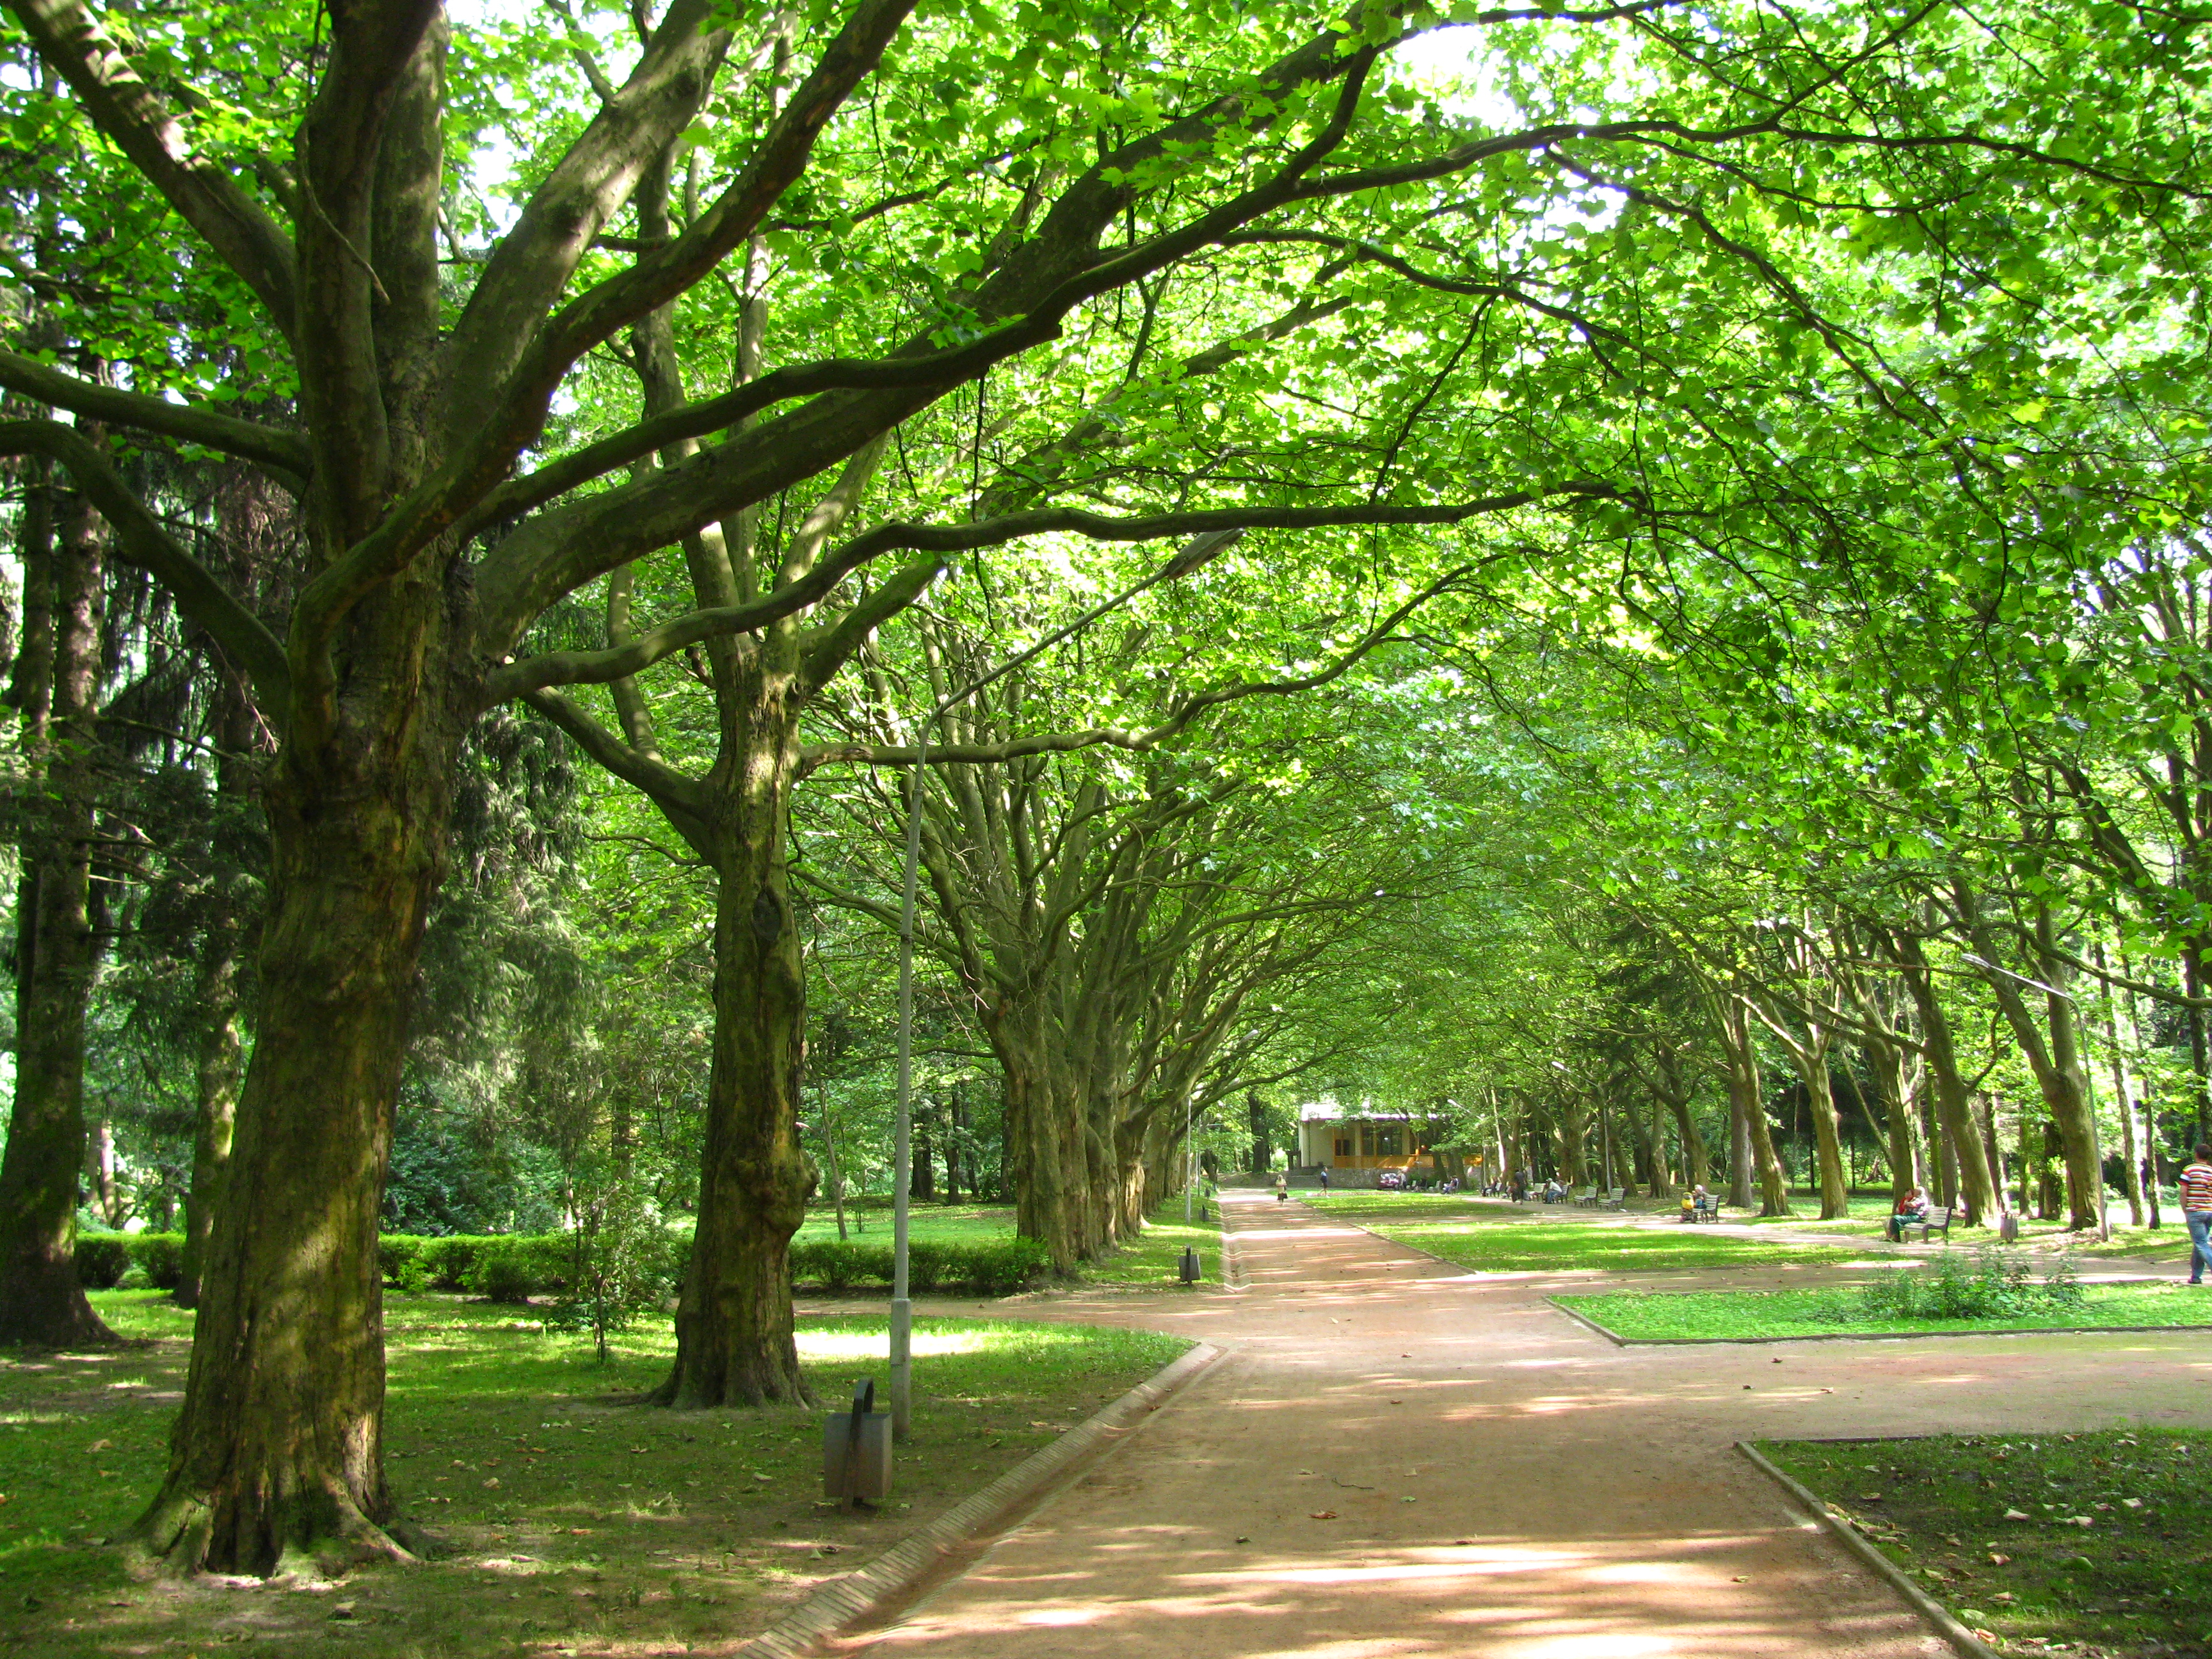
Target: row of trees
x: 1307, y: 535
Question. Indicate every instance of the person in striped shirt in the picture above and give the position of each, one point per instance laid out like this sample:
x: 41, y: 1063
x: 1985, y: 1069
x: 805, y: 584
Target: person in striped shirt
x: 2196, y: 1211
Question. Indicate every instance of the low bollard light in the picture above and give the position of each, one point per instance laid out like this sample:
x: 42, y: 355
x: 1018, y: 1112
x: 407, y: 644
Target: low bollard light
x: 856, y: 1451
x: 1189, y: 1265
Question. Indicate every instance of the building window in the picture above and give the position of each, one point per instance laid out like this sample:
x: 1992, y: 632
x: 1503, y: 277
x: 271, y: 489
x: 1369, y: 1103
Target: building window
x: 1386, y: 1140
x: 1343, y: 1147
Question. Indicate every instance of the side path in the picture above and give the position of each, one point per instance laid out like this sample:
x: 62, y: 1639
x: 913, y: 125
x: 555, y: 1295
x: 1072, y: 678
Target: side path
x: 1399, y: 1458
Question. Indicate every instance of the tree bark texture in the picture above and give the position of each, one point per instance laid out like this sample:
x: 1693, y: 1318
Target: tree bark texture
x: 218, y: 995
x: 278, y: 1451
x: 56, y: 690
x: 735, y: 1325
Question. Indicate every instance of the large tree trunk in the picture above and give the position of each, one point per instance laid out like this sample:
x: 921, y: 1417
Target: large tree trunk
x: 1568, y: 1119
x: 1047, y: 1163
x: 734, y: 1338
x: 1696, y: 1162
x: 1977, y: 1182
x: 221, y: 1059
x: 57, y: 689
x: 1820, y: 1100
x: 2053, y: 1054
x: 278, y: 1451
x: 1749, y: 1101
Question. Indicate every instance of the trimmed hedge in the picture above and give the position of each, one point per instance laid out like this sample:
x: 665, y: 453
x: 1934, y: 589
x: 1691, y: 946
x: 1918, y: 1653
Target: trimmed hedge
x: 515, y: 1267
x: 102, y: 1258
x: 502, y: 1267
x: 999, y: 1268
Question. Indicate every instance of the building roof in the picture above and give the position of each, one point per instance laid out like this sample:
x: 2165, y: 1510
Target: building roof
x: 1328, y: 1111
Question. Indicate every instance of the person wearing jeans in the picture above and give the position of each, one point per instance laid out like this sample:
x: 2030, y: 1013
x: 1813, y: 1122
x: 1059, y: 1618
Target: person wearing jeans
x: 2196, y: 1211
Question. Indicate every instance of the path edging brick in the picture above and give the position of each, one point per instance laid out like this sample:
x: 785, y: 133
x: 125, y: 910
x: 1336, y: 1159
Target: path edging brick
x: 1945, y: 1625
x: 856, y: 1598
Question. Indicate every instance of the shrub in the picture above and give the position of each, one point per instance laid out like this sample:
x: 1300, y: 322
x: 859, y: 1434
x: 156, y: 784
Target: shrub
x: 1003, y: 1267
x: 622, y: 1264
x: 996, y: 1268
x: 398, y: 1254
x: 1993, y: 1282
x: 160, y: 1256
x: 102, y: 1258
x: 518, y: 1266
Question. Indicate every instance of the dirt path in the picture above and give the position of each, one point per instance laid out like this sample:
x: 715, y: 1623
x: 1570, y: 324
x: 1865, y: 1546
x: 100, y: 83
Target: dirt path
x: 1496, y: 1480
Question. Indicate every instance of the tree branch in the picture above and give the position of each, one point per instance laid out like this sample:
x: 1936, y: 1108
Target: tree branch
x: 140, y: 539
x: 282, y: 453
x: 680, y: 800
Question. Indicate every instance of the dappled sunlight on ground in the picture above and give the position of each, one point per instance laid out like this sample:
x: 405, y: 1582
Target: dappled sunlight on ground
x: 1402, y: 1456
x: 1512, y: 1595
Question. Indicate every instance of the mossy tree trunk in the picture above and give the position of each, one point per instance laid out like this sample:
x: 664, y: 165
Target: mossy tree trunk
x: 56, y: 689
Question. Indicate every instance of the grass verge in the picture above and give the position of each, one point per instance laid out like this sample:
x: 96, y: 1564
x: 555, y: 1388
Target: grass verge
x: 962, y: 1224
x: 1777, y: 1315
x: 1152, y: 1259
x: 1994, y: 1527
x: 1491, y: 1239
x: 575, y: 1524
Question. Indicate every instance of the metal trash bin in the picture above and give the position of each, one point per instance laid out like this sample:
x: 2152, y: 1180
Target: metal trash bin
x: 856, y: 1451
x: 2008, y: 1227
x: 1189, y: 1266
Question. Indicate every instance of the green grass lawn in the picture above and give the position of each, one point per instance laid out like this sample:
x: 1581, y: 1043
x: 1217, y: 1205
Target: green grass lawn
x: 1152, y: 1259
x: 1492, y: 1239
x: 1989, y: 1526
x: 573, y: 1522
x: 964, y: 1223
x: 1772, y: 1315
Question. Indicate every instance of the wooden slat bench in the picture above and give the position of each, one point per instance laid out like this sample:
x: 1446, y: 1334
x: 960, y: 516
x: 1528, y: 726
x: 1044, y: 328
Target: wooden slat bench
x: 1937, y: 1220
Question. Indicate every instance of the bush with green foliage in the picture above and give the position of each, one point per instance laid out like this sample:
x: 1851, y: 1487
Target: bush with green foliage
x: 520, y: 1267
x: 623, y: 1264
x: 105, y: 1260
x: 102, y: 1258
x: 996, y: 1268
x: 1996, y: 1281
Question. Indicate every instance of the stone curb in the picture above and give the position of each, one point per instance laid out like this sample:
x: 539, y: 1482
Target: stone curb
x: 1619, y: 1341
x: 1960, y: 1638
x: 899, y: 1571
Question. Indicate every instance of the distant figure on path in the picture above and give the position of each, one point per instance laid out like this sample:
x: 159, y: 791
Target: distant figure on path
x: 1282, y: 1189
x: 1324, y: 1177
x: 2196, y: 1211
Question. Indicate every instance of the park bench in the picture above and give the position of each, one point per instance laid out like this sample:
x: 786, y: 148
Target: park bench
x: 1707, y: 1208
x: 1937, y: 1220
x: 1617, y: 1199
x: 1585, y: 1197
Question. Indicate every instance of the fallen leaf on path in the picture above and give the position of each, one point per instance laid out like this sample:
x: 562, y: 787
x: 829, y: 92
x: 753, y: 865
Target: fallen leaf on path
x: 2015, y: 1515
x: 1323, y: 1515
x: 1243, y: 1541
x: 1996, y: 1561
x: 2132, y: 1503
x: 1740, y: 1578
x: 1869, y: 1497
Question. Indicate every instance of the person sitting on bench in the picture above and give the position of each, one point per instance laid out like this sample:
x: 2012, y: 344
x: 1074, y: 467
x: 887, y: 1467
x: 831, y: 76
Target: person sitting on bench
x: 1690, y: 1203
x: 1910, y: 1212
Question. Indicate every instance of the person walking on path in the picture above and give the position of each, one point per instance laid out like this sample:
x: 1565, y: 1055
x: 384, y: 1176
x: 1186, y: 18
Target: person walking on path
x: 1282, y: 1189
x: 1324, y: 1177
x: 2196, y: 1212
